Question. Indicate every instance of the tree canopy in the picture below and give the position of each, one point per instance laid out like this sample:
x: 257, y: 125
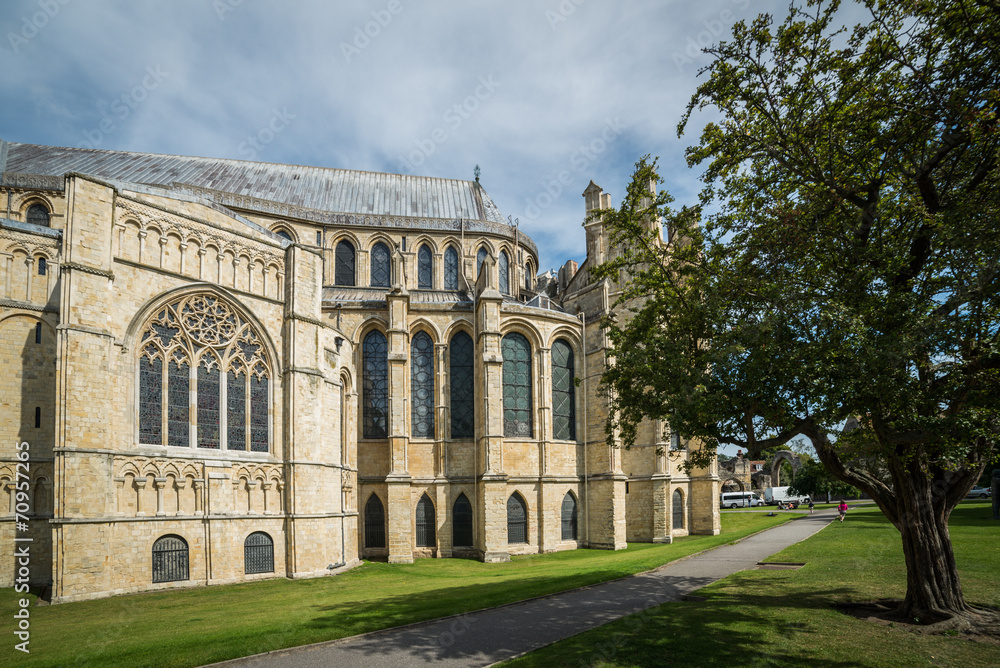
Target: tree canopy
x: 845, y: 284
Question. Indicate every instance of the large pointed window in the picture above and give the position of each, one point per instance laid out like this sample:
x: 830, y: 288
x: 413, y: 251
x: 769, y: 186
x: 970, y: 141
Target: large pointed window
x: 461, y: 379
x: 516, y: 386
x: 375, y: 387
x: 451, y: 269
x: 504, y: 269
x: 381, y: 272
x: 678, y: 509
x: 425, y: 268
x: 480, y: 258
x: 461, y: 522
x: 422, y: 385
x: 425, y: 522
x: 517, y: 519
x: 227, y: 350
x: 563, y: 392
x: 569, y: 517
x: 374, y: 522
x: 343, y: 273
x: 528, y: 275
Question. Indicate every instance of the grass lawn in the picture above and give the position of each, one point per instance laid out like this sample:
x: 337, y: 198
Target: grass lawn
x: 785, y: 618
x: 205, y: 624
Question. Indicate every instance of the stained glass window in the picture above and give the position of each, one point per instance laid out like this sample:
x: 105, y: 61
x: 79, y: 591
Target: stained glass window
x: 42, y: 266
x: 178, y: 391
x: 451, y: 269
x: 381, y: 273
x: 344, y: 271
x: 285, y: 235
x: 374, y: 522
x: 422, y: 385
x: 259, y: 441
x: 236, y: 416
x: 425, y: 268
x: 504, y: 267
x: 208, y: 406
x: 425, y: 522
x: 678, y: 509
x: 375, y: 388
x: 461, y: 377
x: 38, y: 215
x: 480, y: 258
x: 563, y: 392
x: 517, y: 519
x: 150, y: 401
x: 516, y: 385
x: 461, y: 522
x: 569, y: 517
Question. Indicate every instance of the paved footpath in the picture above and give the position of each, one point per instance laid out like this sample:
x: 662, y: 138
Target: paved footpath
x: 496, y: 634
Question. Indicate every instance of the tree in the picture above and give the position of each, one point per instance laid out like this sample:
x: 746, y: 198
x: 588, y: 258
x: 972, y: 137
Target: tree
x: 814, y: 481
x: 849, y: 271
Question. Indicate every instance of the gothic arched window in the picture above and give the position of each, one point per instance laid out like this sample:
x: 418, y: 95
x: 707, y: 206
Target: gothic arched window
x: 678, y: 509
x: 504, y: 269
x: 517, y: 519
x: 480, y: 258
x: 569, y: 517
x: 527, y: 275
x: 463, y: 409
x: 516, y: 385
x: 563, y: 392
x: 425, y: 523
x: 422, y: 386
x: 461, y: 522
x: 375, y: 386
x: 37, y: 214
x: 201, y: 344
x: 374, y: 522
x: 381, y: 267
x: 451, y: 269
x: 425, y: 268
x: 344, y: 264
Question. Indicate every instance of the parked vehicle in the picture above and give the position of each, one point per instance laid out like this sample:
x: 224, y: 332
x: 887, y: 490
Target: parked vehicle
x: 739, y: 500
x: 774, y: 494
x: 979, y: 493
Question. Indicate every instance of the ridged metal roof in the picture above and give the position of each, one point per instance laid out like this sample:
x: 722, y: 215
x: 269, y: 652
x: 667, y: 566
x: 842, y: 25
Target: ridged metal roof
x: 318, y: 188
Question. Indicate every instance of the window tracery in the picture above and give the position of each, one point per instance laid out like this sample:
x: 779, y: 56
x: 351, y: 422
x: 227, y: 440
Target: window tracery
x: 451, y: 269
x: 381, y: 271
x: 425, y: 268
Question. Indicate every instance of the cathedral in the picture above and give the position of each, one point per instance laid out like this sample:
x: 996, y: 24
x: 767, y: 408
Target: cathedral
x: 217, y: 371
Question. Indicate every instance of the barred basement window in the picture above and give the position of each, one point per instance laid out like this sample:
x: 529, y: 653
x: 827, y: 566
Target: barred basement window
x: 516, y: 385
x: 170, y: 559
x: 569, y: 517
x: 425, y: 268
x: 422, y: 386
x: 344, y: 264
x: 258, y: 553
x: 461, y: 522
x: 480, y: 258
x: 517, y: 520
x: 374, y: 522
x: 381, y: 272
x: 451, y: 269
x: 37, y: 214
x: 678, y: 509
x: 504, y: 266
x: 463, y: 410
x: 425, y: 522
x: 563, y: 392
x: 375, y: 385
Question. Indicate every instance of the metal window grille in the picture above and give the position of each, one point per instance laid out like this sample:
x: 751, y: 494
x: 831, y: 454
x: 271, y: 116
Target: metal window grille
x: 678, y: 509
x: 375, y: 388
x: 463, y: 408
x: 38, y: 215
x: 451, y: 269
x: 425, y: 268
x: 461, y: 522
x: 170, y: 559
x: 374, y: 523
x: 425, y: 523
x: 344, y: 272
x: 517, y: 519
x: 422, y: 385
x: 569, y: 517
x: 258, y: 553
x: 563, y: 392
x: 516, y: 386
x: 504, y: 268
x: 381, y: 272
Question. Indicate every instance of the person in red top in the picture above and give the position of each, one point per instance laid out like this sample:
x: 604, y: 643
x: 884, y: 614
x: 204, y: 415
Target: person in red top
x: 843, y: 509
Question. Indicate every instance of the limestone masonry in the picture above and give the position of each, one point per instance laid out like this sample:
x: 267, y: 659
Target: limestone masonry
x: 228, y: 370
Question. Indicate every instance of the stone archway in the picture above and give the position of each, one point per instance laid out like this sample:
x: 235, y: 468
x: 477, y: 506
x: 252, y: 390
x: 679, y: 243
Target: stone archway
x: 784, y: 455
x: 732, y: 485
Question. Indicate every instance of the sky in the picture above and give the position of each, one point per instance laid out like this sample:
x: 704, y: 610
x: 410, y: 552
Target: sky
x: 543, y: 95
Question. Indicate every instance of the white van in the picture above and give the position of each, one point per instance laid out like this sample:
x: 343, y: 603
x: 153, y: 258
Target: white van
x: 772, y: 495
x: 739, y: 500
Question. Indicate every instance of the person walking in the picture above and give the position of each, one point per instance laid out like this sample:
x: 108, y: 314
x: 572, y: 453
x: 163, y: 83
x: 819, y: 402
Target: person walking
x: 812, y: 506
x: 842, y: 509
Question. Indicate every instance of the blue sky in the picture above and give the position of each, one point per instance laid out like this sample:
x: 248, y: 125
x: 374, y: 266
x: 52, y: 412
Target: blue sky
x: 543, y: 95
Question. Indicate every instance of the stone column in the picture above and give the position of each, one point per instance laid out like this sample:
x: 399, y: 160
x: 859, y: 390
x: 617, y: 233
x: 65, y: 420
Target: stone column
x: 140, y: 484
x: 159, y: 483
x: 180, y: 484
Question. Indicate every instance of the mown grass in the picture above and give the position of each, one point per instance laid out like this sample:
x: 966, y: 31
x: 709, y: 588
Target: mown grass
x: 200, y: 625
x: 786, y: 618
